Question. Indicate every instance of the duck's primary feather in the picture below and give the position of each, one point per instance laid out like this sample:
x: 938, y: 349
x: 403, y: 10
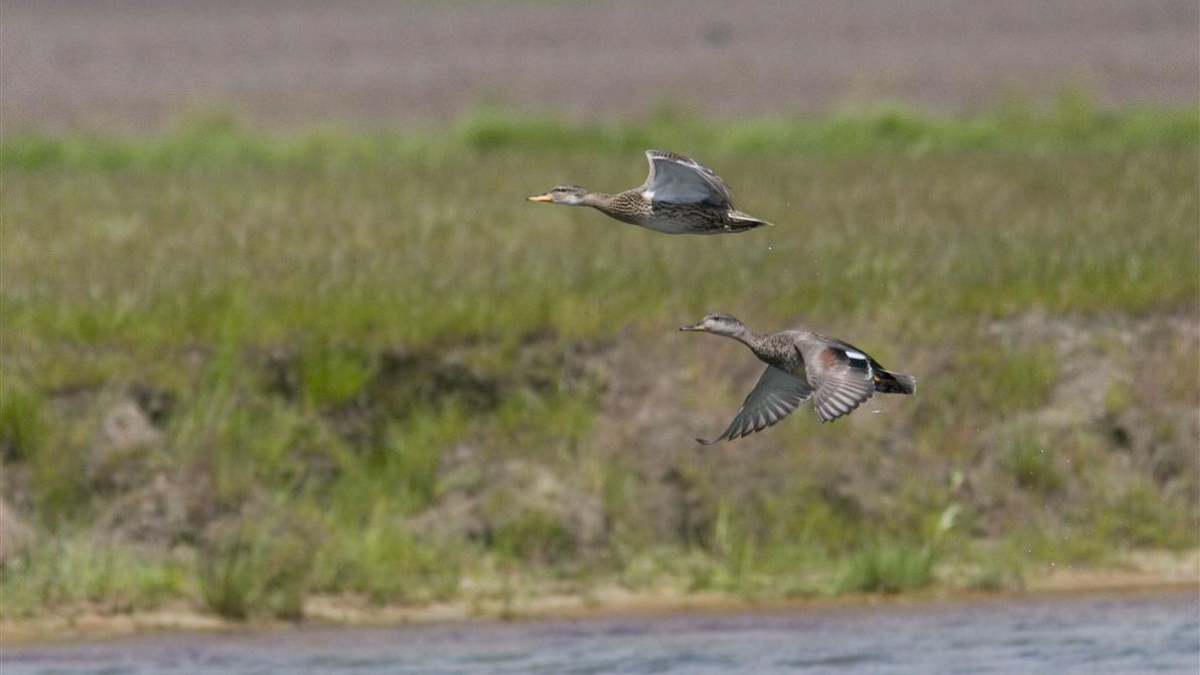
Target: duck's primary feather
x: 776, y: 395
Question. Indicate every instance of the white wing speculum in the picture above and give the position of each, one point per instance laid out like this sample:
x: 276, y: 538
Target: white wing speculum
x: 862, y: 358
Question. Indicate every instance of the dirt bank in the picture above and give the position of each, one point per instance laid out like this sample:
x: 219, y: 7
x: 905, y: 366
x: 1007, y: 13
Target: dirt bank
x: 129, y: 65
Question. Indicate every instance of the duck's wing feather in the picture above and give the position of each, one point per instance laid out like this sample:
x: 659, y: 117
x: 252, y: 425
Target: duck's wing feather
x: 675, y: 179
x: 775, y: 396
x: 844, y: 379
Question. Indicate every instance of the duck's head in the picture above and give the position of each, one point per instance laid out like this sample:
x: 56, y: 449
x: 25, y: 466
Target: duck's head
x: 718, y: 324
x: 571, y: 195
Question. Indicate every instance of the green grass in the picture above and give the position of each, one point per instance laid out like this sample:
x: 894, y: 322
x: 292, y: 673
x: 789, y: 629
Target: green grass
x: 1031, y: 463
x: 340, y: 318
x: 888, y: 568
x: 246, y: 567
x: 377, y: 555
x: 22, y: 420
x: 76, y: 568
x: 212, y: 138
x: 141, y: 263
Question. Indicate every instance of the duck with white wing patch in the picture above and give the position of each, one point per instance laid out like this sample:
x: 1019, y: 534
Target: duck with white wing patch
x: 838, y: 376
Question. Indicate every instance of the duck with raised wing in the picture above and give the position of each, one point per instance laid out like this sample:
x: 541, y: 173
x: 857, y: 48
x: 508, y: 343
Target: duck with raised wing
x: 838, y: 376
x: 679, y: 197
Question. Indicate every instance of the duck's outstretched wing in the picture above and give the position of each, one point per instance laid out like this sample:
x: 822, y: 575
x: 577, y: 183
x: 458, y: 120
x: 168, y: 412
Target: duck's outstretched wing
x: 776, y: 395
x: 845, y: 380
x: 675, y: 179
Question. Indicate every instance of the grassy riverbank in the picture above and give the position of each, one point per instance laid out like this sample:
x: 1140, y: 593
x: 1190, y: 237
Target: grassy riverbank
x: 239, y: 369
x: 1147, y: 575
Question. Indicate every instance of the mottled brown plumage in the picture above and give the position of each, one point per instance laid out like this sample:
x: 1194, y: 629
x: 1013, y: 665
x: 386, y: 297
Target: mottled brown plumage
x: 679, y: 197
x: 838, y: 376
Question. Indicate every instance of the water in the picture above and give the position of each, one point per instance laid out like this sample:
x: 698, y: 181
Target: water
x: 1063, y: 635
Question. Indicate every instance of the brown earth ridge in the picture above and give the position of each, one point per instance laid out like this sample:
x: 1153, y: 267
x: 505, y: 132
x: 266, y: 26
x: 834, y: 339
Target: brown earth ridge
x: 130, y: 65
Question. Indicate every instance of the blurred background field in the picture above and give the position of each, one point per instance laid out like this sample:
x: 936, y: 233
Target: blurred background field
x: 244, y: 364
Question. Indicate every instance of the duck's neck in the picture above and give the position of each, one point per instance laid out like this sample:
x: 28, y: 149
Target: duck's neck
x: 757, y: 342
x: 617, y: 207
x: 598, y: 200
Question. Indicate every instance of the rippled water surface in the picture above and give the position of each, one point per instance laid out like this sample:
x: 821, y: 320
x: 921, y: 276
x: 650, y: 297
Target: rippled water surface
x: 1157, y: 633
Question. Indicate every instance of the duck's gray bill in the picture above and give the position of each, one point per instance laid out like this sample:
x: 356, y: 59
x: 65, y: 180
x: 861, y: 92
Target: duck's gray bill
x: 694, y: 327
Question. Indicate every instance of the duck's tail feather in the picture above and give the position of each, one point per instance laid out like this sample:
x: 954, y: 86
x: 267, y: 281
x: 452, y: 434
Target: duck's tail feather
x: 740, y: 222
x: 894, y: 383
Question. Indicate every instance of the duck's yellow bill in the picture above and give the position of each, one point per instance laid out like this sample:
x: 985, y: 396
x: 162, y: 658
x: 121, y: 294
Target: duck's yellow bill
x: 697, y: 329
x: 541, y: 198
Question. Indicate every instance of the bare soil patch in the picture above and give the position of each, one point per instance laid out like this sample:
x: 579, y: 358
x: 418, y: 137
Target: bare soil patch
x: 130, y: 65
